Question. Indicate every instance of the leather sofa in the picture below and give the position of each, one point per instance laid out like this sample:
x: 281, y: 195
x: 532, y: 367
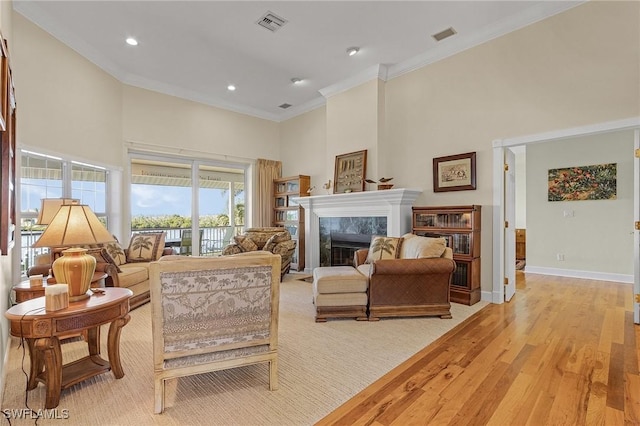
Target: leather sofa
x: 272, y: 239
x: 417, y: 283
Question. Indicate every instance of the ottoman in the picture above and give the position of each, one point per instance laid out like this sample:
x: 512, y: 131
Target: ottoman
x: 339, y: 292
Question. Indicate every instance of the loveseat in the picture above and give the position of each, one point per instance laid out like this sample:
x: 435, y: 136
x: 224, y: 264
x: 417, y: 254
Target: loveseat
x: 125, y: 267
x: 272, y: 239
x: 408, y: 276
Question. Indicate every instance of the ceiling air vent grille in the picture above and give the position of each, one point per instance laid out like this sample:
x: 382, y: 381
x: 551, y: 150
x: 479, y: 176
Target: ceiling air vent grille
x: 284, y: 106
x: 444, y: 34
x: 271, y: 21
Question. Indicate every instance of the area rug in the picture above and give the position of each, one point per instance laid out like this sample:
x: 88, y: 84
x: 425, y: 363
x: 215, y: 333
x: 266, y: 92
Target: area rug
x: 321, y: 365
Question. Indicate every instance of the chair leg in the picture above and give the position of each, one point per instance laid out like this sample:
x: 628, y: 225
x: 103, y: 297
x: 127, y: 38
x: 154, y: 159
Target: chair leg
x: 273, y: 374
x: 159, y: 396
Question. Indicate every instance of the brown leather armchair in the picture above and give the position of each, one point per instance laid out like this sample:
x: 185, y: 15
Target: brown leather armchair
x: 410, y: 285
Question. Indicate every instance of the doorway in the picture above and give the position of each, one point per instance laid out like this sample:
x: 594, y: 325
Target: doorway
x: 505, y: 257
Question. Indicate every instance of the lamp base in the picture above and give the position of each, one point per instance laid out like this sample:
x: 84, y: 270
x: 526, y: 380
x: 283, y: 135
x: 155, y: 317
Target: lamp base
x: 75, y: 268
x: 78, y: 298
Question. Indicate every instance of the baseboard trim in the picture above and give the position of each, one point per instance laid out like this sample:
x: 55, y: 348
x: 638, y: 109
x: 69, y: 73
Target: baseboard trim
x: 572, y: 273
x: 3, y: 376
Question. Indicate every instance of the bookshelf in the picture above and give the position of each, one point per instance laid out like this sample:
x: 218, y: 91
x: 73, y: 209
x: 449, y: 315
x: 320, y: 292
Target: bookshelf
x: 460, y: 225
x: 289, y: 215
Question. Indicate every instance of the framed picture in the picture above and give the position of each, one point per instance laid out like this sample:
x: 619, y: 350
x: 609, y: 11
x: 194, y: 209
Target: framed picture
x: 454, y: 172
x: 595, y: 182
x: 350, y: 172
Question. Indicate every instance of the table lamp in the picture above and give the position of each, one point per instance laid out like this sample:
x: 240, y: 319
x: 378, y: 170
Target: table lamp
x: 50, y: 206
x: 73, y: 225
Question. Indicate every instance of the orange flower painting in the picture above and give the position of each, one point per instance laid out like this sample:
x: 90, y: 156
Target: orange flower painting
x: 597, y: 182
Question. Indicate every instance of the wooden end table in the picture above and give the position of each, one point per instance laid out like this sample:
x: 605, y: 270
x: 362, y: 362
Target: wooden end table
x: 43, y: 330
x: 24, y: 291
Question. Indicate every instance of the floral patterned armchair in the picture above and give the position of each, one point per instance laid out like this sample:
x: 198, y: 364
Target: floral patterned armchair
x: 213, y: 313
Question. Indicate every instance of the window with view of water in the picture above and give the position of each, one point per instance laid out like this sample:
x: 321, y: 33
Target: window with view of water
x: 170, y: 195
x: 44, y: 176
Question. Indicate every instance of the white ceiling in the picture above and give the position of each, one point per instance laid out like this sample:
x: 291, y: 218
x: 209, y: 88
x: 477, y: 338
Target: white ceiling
x: 194, y: 49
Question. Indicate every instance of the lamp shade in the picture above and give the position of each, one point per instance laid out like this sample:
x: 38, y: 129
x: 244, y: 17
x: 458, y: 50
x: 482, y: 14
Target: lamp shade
x: 74, y: 224
x: 50, y: 206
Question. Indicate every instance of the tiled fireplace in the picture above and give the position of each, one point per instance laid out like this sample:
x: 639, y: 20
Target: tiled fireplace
x: 391, y: 208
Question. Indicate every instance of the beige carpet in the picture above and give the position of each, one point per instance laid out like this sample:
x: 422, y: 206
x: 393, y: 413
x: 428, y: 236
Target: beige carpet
x: 321, y: 366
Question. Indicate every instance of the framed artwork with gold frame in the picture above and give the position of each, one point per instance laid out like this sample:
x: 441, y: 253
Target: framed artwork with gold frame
x: 350, y: 171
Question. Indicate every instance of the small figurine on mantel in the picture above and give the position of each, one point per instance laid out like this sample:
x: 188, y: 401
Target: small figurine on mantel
x: 327, y: 186
x: 382, y: 183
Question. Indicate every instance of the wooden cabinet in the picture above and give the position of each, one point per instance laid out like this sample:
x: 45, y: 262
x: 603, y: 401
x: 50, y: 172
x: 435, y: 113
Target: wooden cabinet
x: 289, y: 215
x: 460, y: 225
x: 521, y: 244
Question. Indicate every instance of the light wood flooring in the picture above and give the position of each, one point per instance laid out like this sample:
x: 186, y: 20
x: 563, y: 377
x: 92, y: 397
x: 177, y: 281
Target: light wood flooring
x: 562, y: 352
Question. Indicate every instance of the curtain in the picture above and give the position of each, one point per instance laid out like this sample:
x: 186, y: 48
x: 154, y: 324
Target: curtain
x: 268, y: 170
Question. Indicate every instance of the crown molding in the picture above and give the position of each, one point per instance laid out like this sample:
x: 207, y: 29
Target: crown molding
x: 168, y: 89
x: 377, y: 71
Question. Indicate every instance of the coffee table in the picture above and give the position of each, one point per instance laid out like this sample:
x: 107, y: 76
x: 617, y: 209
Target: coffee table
x: 43, y: 331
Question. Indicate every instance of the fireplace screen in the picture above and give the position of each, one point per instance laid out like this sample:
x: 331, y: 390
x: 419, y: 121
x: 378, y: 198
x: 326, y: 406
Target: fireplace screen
x: 340, y: 237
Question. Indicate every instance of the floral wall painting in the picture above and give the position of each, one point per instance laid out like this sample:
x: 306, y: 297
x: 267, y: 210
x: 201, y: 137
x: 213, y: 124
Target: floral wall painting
x: 454, y: 172
x: 596, y: 182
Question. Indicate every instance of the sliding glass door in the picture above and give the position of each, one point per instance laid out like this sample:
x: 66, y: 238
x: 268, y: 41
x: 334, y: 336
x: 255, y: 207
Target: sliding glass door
x: 200, y: 205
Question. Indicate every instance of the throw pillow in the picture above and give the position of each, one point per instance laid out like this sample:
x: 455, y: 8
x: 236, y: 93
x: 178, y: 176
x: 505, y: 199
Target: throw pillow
x: 247, y: 244
x: 102, y: 256
x: 116, y: 252
x: 384, y: 248
x: 417, y: 247
x: 145, y: 247
x: 275, y: 239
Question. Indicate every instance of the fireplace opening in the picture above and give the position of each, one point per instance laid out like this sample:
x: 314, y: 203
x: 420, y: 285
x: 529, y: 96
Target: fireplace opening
x: 340, y: 237
x: 344, y: 246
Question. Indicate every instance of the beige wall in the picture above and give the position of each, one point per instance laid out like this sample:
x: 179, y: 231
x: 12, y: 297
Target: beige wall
x: 598, y: 237
x: 166, y: 121
x: 308, y: 158
x: 353, y: 125
x: 65, y: 103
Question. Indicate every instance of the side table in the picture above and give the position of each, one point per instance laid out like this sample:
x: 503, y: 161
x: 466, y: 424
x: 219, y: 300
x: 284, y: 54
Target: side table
x: 43, y: 330
x: 24, y: 291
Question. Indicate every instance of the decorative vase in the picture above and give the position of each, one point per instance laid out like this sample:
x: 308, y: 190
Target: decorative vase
x: 382, y: 186
x: 75, y: 267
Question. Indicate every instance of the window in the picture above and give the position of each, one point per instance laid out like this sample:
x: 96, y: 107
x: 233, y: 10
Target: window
x: 45, y: 176
x: 199, y: 204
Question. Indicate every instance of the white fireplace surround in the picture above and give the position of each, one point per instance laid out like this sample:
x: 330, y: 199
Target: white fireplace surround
x: 394, y: 204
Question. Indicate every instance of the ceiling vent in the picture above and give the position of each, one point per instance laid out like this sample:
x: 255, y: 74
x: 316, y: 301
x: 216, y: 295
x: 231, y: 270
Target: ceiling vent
x: 271, y: 21
x: 444, y: 34
x: 284, y: 106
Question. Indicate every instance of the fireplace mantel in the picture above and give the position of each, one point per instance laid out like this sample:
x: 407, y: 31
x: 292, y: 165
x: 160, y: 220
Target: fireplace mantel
x: 394, y: 204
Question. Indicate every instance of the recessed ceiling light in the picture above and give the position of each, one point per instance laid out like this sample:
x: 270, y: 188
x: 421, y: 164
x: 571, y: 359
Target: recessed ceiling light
x: 352, y: 51
x: 296, y: 80
x: 132, y: 41
x: 231, y: 87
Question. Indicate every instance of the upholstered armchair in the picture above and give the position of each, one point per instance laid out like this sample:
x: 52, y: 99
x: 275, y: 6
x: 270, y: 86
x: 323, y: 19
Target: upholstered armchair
x: 272, y: 239
x: 412, y: 281
x: 213, y: 313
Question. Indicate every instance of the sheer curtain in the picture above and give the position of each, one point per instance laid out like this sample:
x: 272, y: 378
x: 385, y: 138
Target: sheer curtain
x: 268, y: 170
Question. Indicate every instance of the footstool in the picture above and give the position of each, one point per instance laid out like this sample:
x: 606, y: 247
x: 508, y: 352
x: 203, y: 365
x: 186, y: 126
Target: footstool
x: 339, y: 292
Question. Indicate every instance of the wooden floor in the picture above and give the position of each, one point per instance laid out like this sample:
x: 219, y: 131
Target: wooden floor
x: 562, y: 352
